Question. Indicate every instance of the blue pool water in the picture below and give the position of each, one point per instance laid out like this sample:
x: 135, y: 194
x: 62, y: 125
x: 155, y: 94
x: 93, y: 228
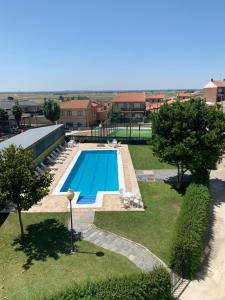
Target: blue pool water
x: 94, y: 170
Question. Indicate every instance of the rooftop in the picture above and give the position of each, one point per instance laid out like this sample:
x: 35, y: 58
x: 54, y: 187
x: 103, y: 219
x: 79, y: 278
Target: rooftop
x: 9, y: 104
x: 214, y: 84
x: 183, y: 94
x: 155, y: 96
x: 129, y: 97
x: 27, y: 138
x: 153, y: 106
x: 75, y: 104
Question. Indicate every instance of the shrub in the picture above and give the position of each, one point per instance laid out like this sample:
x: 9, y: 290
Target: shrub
x: 191, y: 229
x: 148, y: 286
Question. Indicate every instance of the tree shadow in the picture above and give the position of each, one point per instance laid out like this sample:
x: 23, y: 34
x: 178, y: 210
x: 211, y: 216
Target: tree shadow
x: 47, y: 239
x: 3, y: 217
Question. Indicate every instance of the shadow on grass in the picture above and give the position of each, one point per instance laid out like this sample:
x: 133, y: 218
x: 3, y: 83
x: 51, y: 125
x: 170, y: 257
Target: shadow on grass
x: 47, y: 239
x: 3, y: 217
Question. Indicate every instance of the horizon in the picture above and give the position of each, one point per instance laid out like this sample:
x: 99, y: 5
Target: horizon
x: 113, y: 46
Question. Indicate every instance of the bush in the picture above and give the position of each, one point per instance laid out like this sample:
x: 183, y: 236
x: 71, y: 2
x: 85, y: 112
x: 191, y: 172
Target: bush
x: 153, y: 285
x: 191, y: 230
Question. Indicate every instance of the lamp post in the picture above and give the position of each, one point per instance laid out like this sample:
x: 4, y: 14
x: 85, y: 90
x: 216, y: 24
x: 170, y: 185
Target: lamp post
x: 70, y: 196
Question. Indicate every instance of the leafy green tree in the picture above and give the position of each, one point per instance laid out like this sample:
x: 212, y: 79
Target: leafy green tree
x: 10, y: 98
x: 61, y: 98
x: 19, y: 184
x: 80, y: 97
x: 51, y: 110
x: 17, y: 112
x: 189, y: 135
x: 3, y: 115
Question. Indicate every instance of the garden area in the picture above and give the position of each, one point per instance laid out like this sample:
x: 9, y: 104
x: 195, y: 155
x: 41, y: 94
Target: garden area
x: 152, y: 228
x: 41, y: 264
x: 143, y: 158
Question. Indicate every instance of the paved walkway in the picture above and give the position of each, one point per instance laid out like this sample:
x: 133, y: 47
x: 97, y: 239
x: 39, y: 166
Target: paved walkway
x: 210, y: 285
x: 138, y: 254
x: 159, y: 175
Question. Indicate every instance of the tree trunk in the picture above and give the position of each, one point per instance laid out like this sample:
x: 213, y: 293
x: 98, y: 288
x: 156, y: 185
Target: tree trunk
x: 178, y: 176
x: 20, y: 221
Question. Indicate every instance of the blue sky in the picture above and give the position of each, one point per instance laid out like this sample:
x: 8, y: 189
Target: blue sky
x: 110, y: 44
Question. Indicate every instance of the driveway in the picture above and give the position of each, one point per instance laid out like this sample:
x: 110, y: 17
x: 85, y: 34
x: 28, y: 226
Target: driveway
x: 211, y: 283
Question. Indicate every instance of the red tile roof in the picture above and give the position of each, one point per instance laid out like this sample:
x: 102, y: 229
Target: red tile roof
x: 152, y: 106
x: 129, y: 97
x: 219, y: 83
x: 157, y: 96
x: 75, y: 104
x: 185, y: 95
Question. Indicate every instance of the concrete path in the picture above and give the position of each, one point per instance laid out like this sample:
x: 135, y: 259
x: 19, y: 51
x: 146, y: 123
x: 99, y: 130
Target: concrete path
x: 138, y: 254
x: 211, y: 283
x: 159, y: 175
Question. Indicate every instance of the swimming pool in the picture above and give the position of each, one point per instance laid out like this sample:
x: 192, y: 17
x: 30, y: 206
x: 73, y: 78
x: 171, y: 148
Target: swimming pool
x: 92, y: 172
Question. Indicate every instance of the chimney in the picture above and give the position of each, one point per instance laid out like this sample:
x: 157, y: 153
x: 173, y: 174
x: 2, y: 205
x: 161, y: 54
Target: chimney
x: 212, y: 79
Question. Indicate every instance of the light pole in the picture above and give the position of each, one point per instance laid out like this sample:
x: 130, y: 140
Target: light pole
x: 70, y: 196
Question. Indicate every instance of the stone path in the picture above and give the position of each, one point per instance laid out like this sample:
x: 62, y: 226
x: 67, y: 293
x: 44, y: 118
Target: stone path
x: 159, y: 175
x: 138, y: 254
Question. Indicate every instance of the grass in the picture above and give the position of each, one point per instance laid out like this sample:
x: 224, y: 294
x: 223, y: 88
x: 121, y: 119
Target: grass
x: 152, y: 228
x: 41, y: 264
x: 144, y: 133
x: 143, y: 158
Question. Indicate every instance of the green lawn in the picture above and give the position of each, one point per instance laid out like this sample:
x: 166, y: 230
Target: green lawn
x: 152, y: 228
x: 144, y: 133
x: 143, y: 158
x: 41, y: 264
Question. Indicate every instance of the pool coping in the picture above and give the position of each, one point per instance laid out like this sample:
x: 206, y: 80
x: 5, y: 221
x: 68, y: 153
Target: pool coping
x: 99, y: 196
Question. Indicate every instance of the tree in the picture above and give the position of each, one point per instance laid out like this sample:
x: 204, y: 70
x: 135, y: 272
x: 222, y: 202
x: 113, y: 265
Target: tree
x: 51, y: 110
x: 189, y: 135
x: 10, y: 98
x: 17, y: 112
x: 3, y: 115
x: 61, y: 98
x: 19, y: 184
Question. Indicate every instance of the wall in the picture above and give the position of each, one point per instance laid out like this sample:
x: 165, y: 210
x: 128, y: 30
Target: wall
x: 210, y: 94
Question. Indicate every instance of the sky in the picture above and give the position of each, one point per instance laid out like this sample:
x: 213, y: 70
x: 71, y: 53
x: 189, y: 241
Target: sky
x: 48, y: 45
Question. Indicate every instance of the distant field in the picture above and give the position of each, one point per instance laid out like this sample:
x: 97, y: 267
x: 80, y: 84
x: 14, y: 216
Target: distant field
x: 98, y: 96
x: 39, y: 97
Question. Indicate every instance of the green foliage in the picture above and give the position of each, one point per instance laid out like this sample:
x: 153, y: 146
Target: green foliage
x: 80, y: 97
x: 151, y: 286
x: 19, y: 184
x: 10, y: 98
x: 3, y: 115
x: 191, y: 230
x: 51, y: 110
x: 189, y: 135
x: 17, y: 112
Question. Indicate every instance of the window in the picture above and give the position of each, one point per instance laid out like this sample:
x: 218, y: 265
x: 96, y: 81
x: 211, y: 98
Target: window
x: 69, y: 113
x: 80, y: 113
x: 62, y: 113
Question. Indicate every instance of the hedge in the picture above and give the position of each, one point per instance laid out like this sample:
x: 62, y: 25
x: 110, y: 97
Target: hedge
x: 144, y: 286
x: 191, y: 230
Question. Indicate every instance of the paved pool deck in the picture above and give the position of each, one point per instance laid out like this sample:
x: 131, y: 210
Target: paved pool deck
x: 111, y: 202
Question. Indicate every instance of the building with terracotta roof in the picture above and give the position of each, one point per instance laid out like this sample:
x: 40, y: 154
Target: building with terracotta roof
x: 214, y: 91
x: 155, y: 98
x: 130, y: 106
x: 76, y: 113
x: 184, y: 95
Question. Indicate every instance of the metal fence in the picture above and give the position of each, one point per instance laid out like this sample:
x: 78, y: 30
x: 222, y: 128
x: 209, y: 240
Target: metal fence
x: 126, y: 133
